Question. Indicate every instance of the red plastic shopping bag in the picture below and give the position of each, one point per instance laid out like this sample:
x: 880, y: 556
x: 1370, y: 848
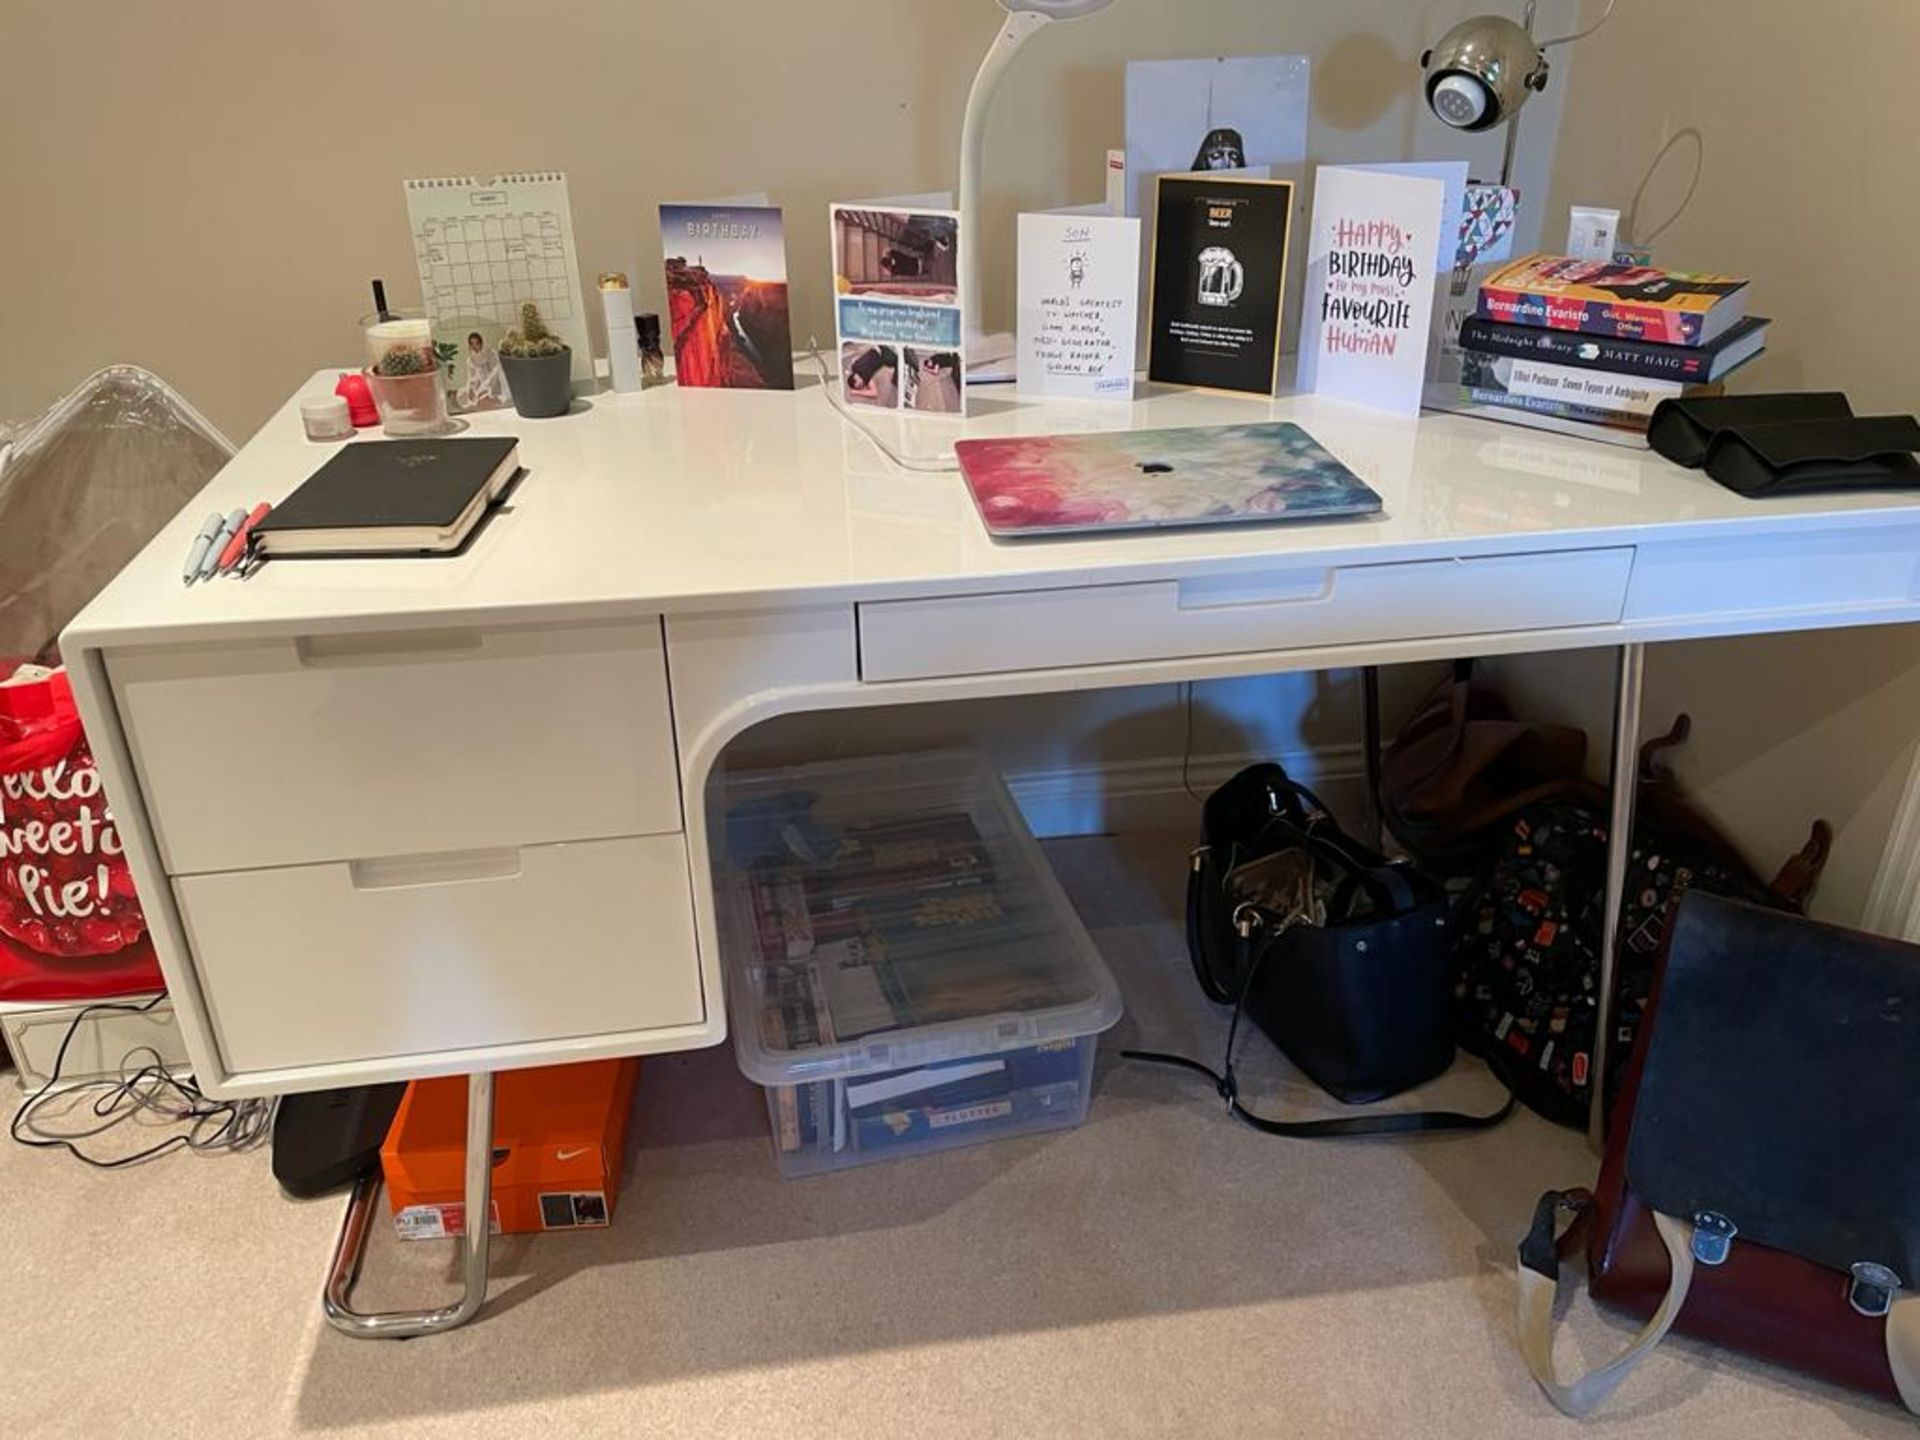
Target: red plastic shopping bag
x: 71, y: 927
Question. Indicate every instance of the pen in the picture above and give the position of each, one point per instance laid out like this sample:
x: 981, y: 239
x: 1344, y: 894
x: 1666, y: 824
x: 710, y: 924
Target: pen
x: 201, y: 543
x: 210, y: 562
x: 237, y: 546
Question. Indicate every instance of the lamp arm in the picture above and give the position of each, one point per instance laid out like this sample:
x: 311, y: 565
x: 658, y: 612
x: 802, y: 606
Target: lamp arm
x: 1512, y: 145
x: 1018, y: 27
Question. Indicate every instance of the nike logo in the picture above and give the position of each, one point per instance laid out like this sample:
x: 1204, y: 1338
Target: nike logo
x: 577, y: 1151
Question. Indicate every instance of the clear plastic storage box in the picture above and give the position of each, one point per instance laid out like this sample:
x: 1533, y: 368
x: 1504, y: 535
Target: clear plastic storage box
x: 903, y: 970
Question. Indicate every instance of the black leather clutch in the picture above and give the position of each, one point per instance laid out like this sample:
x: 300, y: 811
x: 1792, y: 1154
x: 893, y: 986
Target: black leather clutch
x: 1810, y: 455
x: 1684, y: 430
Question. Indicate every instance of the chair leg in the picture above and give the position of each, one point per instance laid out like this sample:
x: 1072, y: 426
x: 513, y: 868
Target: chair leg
x: 1629, y: 686
x: 351, y: 1247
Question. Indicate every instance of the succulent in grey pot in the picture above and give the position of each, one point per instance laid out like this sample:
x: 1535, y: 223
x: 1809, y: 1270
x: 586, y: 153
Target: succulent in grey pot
x: 539, y: 367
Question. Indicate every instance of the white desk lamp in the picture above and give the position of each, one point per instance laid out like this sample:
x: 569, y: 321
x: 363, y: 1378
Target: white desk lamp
x: 1024, y: 17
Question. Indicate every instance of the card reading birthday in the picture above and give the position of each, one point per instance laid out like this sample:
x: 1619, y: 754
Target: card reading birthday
x: 1370, y: 285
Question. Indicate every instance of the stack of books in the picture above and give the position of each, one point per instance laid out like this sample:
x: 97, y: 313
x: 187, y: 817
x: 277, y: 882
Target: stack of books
x: 1591, y: 343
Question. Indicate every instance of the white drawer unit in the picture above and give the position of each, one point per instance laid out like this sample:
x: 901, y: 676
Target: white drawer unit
x: 1291, y: 607
x: 370, y: 960
x: 1854, y: 571
x: 291, y: 751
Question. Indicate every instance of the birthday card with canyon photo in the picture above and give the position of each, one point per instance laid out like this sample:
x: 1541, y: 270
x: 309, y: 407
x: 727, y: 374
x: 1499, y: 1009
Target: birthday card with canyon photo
x: 727, y: 296
x: 1370, y: 283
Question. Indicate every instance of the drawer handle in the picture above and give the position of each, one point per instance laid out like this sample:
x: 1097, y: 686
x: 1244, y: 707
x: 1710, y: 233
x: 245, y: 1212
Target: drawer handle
x: 321, y: 651
x: 456, y: 868
x: 1285, y: 587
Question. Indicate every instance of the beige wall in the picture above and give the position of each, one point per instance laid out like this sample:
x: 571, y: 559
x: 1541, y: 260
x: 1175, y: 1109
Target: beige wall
x: 205, y: 187
x: 1811, y: 186
x: 1811, y: 182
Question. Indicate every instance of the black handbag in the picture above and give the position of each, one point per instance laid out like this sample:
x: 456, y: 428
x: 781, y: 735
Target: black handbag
x: 1340, y: 956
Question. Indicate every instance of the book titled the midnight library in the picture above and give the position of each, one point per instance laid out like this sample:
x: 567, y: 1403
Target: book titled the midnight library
x: 1219, y: 282
x: 1691, y: 364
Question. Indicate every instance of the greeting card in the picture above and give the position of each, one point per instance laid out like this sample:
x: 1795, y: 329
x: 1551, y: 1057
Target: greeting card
x: 1371, y: 267
x: 1219, y: 282
x: 727, y: 296
x: 897, y: 308
x: 1078, y: 307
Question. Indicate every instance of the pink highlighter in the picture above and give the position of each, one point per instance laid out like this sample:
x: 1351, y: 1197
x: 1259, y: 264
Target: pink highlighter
x: 237, y: 546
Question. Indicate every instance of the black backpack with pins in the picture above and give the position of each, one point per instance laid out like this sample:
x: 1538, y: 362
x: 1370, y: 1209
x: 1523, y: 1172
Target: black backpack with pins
x: 1528, y: 930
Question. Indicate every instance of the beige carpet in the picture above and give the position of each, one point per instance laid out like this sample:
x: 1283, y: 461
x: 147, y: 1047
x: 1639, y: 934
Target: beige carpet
x: 1161, y: 1272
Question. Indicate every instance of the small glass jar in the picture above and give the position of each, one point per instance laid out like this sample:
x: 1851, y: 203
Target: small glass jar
x: 326, y: 417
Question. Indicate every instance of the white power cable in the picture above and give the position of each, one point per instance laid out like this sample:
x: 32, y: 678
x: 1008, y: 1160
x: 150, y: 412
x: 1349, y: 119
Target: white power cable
x: 1605, y: 16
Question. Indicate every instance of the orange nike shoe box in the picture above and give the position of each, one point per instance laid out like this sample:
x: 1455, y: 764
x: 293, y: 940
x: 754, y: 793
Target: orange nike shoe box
x: 559, y: 1139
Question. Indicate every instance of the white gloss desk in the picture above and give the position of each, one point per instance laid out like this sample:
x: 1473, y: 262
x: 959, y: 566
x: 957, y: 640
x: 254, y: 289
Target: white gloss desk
x: 402, y: 818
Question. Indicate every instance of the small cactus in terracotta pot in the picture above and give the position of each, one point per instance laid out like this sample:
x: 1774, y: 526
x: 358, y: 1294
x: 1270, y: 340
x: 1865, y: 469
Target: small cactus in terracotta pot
x: 407, y: 386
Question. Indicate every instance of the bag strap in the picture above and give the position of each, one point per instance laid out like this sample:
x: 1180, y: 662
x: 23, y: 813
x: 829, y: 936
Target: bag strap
x: 1341, y: 1128
x: 1903, y: 1349
x: 1440, y: 724
x: 1388, y: 885
x: 1344, y: 1127
x: 1200, y: 885
x: 1539, y: 1274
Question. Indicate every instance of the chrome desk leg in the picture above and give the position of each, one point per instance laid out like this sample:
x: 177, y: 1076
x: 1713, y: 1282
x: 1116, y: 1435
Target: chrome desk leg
x: 1370, y: 724
x: 361, y: 1208
x: 1629, y: 685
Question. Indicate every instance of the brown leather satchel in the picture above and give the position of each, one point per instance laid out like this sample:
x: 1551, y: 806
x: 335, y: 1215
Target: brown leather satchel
x: 1463, y: 765
x: 1760, y: 1188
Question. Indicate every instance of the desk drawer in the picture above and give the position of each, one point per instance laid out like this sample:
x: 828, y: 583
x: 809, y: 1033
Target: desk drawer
x: 1288, y: 608
x: 292, y: 751
x: 324, y: 964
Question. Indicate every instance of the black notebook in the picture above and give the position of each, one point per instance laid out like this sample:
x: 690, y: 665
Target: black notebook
x: 392, y: 497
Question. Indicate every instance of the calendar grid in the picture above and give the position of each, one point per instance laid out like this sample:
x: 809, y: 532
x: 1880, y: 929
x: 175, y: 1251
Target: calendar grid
x: 483, y: 249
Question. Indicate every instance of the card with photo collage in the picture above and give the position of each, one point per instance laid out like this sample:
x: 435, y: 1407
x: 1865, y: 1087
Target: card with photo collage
x: 897, y: 308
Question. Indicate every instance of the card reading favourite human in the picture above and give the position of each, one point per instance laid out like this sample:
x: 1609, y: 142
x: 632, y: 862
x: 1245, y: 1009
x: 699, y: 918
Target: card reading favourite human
x: 1371, y: 258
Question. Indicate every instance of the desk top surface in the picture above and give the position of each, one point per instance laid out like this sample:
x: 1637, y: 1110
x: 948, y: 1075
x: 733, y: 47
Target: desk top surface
x: 678, y: 500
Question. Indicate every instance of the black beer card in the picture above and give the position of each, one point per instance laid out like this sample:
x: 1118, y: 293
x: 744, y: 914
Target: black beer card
x: 1219, y: 280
